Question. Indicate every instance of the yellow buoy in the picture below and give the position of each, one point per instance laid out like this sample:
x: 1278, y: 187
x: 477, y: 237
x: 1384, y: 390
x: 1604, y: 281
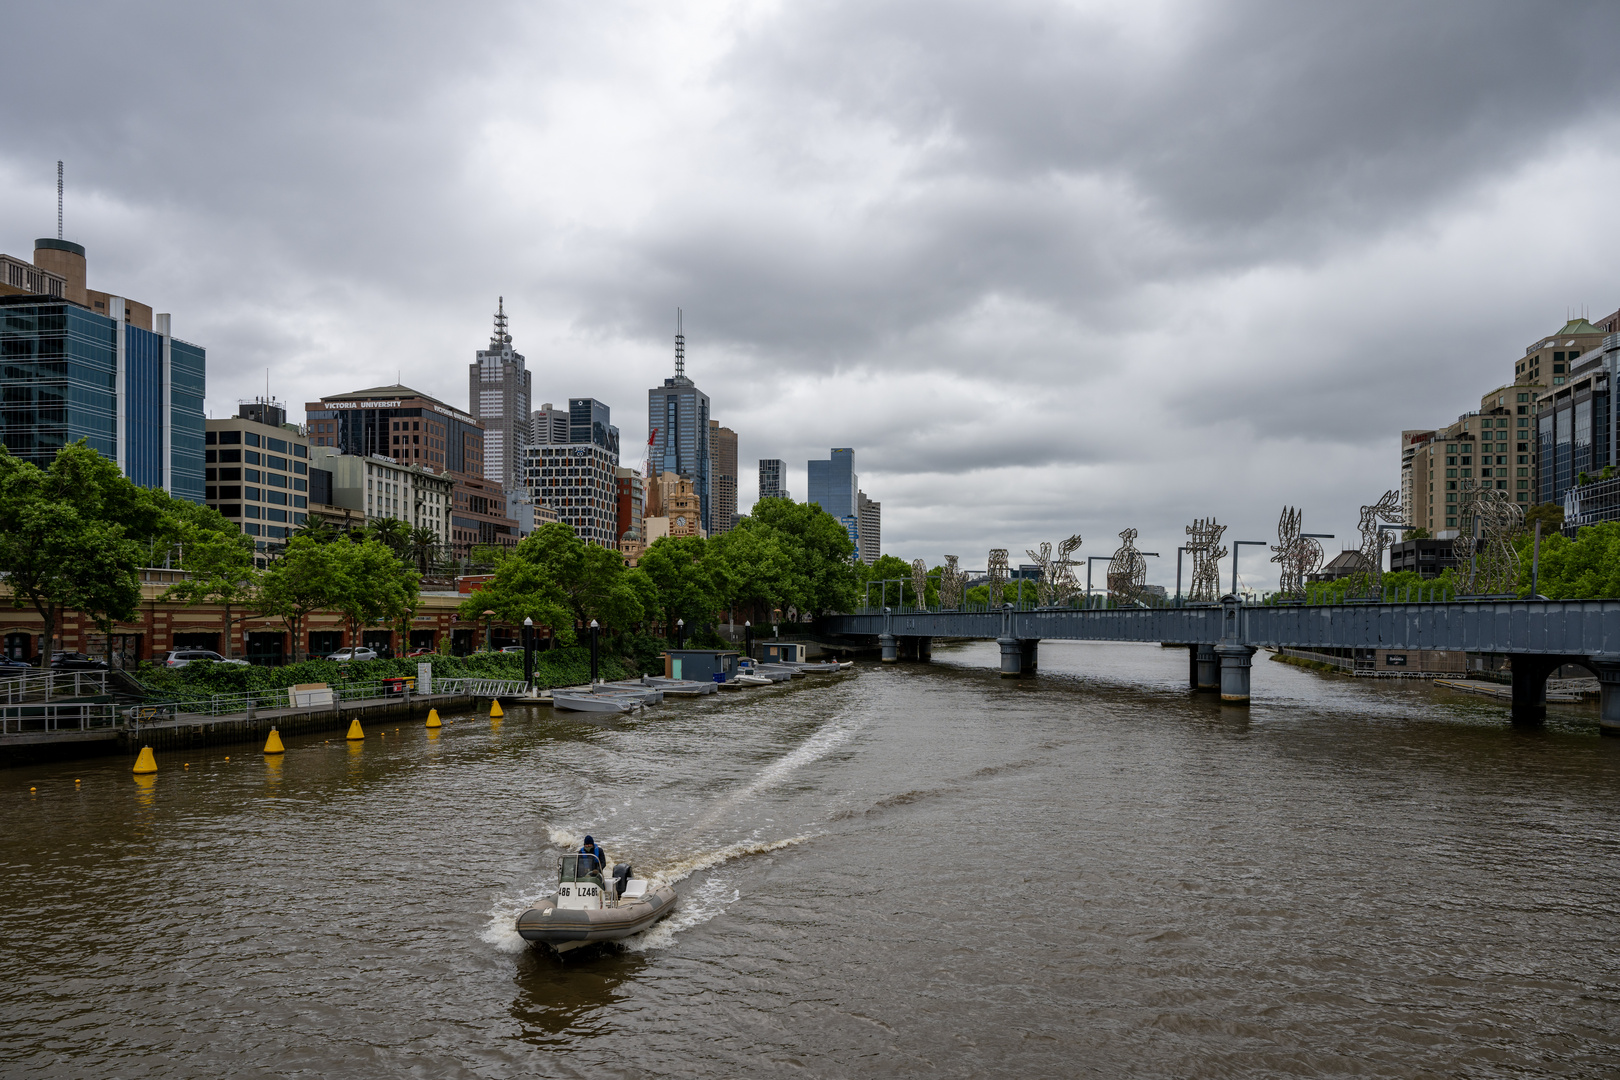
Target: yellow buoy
x: 495, y: 708
x: 355, y: 732
x: 272, y: 745
x: 433, y: 718
x: 146, y: 763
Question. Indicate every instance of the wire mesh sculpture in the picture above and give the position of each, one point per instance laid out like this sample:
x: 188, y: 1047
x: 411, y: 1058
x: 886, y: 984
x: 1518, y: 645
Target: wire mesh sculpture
x: 1487, y: 565
x: 1374, y: 540
x: 919, y: 582
x: 1057, y: 584
x: 951, y: 581
x: 1299, y: 556
x: 997, y: 574
x: 1127, y: 572
x: 1203, y: 535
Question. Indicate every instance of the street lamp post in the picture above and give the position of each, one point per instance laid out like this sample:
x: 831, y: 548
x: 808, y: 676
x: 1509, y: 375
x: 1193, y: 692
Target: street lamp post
x: 1089, y: 560
x: 594, y: 632
x: 1238, y: 544
x: 680, y: 633
x: 528, y: 653
x: 489, y: 642
x: 748, y: 640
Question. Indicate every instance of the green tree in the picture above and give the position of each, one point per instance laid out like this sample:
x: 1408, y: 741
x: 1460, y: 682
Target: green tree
x: 560, y: 581
x: 392, y: 533
x: 372, y: 586
x: 64, y: 544
x: 1551, y: 516
x: 317, y: 529
x: 887, y: 569
x: 423, y: 547
x: 219, y: 565
x: 819, y: 550
x: 683, y: 583
x: 307, y: 577
x: 751, y: 569
x: 1585, y: 568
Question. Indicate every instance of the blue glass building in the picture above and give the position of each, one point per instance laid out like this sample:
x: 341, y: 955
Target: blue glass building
x: 135, y: 395
x: 835, y: 487
x: 678, y: 415
x: 1576, y: 424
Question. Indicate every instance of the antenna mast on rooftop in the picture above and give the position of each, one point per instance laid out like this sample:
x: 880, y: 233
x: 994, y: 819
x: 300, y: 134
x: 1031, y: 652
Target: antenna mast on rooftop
x: 501, y: 336
x: 680, y: 346
x: 59, y: 200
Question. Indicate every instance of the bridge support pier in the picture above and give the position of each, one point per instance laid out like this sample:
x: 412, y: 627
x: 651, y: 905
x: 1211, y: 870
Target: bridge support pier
x: 1530, y: 687
x: 886, y: 642
x: 1206, y: 675
x: 1011, y: 657
x: 1234, y: 673
x: 1608, y: 673
x: 1028, y: 655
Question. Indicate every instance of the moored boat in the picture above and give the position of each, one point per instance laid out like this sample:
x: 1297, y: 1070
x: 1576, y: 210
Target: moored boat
x: 587, y: 908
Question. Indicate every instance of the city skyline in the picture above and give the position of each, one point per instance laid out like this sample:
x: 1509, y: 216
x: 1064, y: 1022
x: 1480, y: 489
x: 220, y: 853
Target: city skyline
x: 1042, y: 241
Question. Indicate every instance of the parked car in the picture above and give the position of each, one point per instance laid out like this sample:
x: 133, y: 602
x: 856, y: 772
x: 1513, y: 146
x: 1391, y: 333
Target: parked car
x: 512, y: 648
x: 357, y: 652
x: 420, y: 652
x: 182, y: 657
x: 76, y: 661
x: 10, y: 664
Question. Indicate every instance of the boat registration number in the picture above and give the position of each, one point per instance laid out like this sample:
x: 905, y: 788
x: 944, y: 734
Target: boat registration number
x: 585, y: 890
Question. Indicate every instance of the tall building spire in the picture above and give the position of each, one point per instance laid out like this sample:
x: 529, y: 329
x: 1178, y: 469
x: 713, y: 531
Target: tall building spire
x: 500, y: 337
x: 680, y: 346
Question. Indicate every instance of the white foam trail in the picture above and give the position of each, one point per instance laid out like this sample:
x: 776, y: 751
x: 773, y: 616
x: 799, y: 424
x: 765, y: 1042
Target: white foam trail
x: 696, y: 908
x: 814, y: 748
x: 707, y: 860
x: 501, y: 930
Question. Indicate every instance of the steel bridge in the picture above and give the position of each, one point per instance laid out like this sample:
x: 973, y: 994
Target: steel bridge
x: 1538, y: 636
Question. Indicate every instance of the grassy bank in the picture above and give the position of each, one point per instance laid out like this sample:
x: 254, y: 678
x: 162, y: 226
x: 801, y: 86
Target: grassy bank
x: 196, y: 682
x: 1310, y: 665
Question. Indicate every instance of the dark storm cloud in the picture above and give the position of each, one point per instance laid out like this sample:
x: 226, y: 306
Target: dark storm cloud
x: 1057, y: 263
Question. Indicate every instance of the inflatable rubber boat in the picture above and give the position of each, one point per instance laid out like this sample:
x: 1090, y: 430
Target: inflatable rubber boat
x: 587, y: 909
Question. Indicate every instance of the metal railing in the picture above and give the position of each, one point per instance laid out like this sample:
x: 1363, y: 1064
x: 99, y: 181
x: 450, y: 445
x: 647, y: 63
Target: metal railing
x: 279, y: 698
x: 480, y: 687
x: 20, y: 719
x: 45, y: 684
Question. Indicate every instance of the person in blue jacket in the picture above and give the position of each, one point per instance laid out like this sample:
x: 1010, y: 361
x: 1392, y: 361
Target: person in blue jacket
x: 594, y: 850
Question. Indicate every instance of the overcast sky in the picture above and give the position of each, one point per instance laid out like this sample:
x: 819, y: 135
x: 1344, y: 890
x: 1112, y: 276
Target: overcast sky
x: 1048, y: 268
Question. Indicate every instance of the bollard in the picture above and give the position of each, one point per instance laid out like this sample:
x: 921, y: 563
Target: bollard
x: 145, y: 763
x: 495, y: 709
x: 433, y: 719
x: 354, y: 731
x: 272, y: 745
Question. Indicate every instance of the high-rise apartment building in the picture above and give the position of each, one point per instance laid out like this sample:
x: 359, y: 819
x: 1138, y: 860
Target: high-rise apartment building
x: 498, y: 395
x: 548, y: 426
x: 678, y: 415
x: 1576, y: 423
x: 579, y: 482
x: 773, y: 479
x: 632, y: 509
x: 377, y: 487
x: 870, y: 540
x: 82, y: 364
x: 411, y: 428
x: 723, y: 474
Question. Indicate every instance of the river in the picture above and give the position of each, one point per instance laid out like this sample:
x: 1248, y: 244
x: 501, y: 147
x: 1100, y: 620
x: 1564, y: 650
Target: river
x: 909, y: 870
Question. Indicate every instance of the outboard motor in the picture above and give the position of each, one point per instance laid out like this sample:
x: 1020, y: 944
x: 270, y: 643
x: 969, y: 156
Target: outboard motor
x: 621, y: 878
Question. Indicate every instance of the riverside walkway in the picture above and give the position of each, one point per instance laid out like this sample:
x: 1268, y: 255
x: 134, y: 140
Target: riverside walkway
x: 1538, y: 636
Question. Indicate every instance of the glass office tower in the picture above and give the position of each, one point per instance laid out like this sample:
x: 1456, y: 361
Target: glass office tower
x: 135, y: 395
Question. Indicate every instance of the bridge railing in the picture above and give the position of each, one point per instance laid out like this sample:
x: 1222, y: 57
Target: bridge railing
x: 1322, y: 594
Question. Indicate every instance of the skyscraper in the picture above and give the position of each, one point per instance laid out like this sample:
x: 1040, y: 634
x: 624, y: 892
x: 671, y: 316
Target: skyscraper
x: 548, y: 426
x: 870, y: 520
x: 836, y: 489
x: 678, y: 413
x: 86, y: 364
x: 772, y: 477
x: 588, y: 423
x: 498, y: 398
x: 723, y: 471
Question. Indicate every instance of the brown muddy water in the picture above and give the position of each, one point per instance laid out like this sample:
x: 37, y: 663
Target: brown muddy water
x: 904, y: 871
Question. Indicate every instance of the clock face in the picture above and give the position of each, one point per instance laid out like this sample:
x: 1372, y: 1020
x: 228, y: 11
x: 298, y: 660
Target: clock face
x: 680, y: 521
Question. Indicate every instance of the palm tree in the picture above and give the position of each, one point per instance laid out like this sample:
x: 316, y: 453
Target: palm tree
x: 392, y: 532
x: 423, y: 547
x: 317, y: 529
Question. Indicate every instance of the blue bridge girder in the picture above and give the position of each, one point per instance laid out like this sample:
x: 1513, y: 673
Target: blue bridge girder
x: 1538, y: 635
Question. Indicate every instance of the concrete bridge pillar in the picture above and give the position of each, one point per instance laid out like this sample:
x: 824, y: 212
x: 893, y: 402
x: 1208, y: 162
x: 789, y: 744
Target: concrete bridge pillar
x: 1608, y: 673
x: 886, y: 642
x: 1207, y: 669
x: 1530, y: 687
x: 917, y: 648
x: 1011, y: 657
x: 1028, y: 655
x: 1234, y: 673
